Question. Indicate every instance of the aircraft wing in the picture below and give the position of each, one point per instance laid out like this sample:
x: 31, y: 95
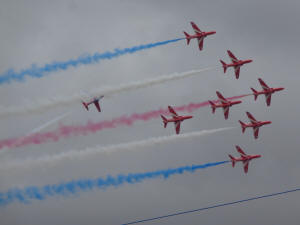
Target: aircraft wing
x: 96, y: 103
x: 239, y: 150
x: 196, y: 28
x: 172, y: 111
x: 251, y: 118
x: 232, y: 56
x: 237, y: 71
x: 200, y: 43
x: 268, y: 98
x: 255, y: 132
x: 263, y: 84
x: 226, y: 112
x: 221, y: 98
x: 100, y: 97
x: 246, y: 165
x: 177, y: 127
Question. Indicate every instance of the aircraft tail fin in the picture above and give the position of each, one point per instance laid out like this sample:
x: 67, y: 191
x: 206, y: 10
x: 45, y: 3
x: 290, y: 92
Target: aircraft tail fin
x: 85, y: 105
x: 188, y: 37
x: 213, y: 106
x: 255, y: 93
x: 243, y: 126
x: 165, y: 121
x: 232, y: 160
x: 224, y: 65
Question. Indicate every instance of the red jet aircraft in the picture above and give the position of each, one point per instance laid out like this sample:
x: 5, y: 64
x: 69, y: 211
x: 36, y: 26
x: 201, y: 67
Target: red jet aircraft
x: 244, y: 158
x: 236, y: 63
x: 200, y: 35
x: 225, y: 104
x: 175, y: 118
x: 267, y: 91
x: 95, y: 101
x: 255, y: 124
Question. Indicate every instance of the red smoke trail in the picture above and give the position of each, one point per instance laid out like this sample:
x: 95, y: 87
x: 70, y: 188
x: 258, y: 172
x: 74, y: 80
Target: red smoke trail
x: 92, y: 127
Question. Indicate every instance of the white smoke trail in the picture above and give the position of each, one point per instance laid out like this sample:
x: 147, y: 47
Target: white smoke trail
x: 44, y: 104
x: 49, y: 123
x: 53, y: 160
x: 35, y: 130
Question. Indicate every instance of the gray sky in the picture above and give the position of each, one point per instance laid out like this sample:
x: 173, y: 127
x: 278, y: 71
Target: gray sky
x: 263, y: 30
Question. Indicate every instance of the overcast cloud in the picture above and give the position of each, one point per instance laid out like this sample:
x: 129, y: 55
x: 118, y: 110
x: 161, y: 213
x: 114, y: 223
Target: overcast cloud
x: 266, y: 31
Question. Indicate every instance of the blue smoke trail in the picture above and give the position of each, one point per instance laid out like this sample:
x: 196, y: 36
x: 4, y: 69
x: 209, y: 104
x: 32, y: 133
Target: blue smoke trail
x: 39, y: 72
x: 73, y: 187
x: 214, y: 206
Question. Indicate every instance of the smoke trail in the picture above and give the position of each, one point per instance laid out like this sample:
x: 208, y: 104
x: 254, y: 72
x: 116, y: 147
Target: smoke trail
x: 38, y: 72
x: 93, y: 127
x: 214, y: 206
x: 87, y: 153
x: 47, y: 124
x: 18, y: 141
x: 73, y: 187
x: 46, y: 104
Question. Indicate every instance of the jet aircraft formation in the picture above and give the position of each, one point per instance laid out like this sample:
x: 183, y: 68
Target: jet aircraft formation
x: 222, y: 102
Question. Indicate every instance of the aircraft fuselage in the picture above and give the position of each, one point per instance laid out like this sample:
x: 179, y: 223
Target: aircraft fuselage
x: 179, y: 118
x: 258, y: 124
x: 203, y: 34
x: 239, y: 63
x: 229, y: 104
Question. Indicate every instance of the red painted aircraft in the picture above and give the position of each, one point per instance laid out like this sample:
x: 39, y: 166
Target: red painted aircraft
x: 255, y: 124
x: 175, y: 118
x: 95, y: 101
x: 236, y: 64
x: 267, y: 91
x: 244, y: 158
x: 225, y: 104
x: 200, y: 35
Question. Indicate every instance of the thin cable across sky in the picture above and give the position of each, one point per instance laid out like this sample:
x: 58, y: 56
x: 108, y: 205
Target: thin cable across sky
x: 213, y: 206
